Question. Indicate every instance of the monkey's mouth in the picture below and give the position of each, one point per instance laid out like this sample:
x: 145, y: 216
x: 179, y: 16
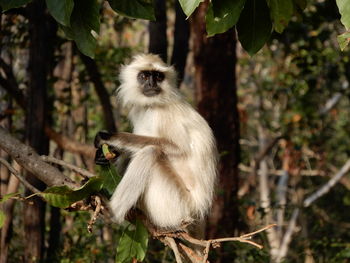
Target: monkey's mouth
x: 152, y: 91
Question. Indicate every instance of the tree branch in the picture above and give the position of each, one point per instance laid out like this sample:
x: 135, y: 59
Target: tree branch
x: 26, y: 157
x: 325, y: 188
x: 19, y: 176
x: 81, y: 171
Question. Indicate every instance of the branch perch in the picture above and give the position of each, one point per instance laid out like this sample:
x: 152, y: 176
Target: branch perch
x: 26, y: 157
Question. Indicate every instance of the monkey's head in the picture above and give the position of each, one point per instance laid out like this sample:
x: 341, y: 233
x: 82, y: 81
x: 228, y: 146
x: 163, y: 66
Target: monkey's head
x: 147, y: 81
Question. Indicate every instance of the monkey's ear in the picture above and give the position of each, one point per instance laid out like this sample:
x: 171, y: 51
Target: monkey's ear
x: 100, y: 159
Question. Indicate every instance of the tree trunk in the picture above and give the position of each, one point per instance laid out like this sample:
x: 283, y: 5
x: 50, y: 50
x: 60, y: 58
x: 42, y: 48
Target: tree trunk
x: 158, y: 43
x: 41, y: 33
x: 181, y: 36
x: 215, y: 60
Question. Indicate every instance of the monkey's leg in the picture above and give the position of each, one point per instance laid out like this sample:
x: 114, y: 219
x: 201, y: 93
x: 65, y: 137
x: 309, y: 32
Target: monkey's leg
x: 134, y: 182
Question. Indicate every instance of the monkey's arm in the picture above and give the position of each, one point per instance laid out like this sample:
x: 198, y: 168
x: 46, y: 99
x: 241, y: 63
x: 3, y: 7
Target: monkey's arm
x: 123, y: 141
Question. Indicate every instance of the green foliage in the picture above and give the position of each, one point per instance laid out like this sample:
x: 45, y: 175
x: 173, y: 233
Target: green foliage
x: 222, y: 15
x: 343, y: 40
x: 188, y: 6
x: 281, y: 12
x: 9, y: 4
x: 2, y: 200
x: 85, y: 18
x: 110, y: 177
x: 61, y: 10
x: 6, y: 197
x: 63, y: 196
x: 142, y: 9
x: 133, y: 243
x: 254, y: 26
x: 2, y: 218
x: 344, y: 10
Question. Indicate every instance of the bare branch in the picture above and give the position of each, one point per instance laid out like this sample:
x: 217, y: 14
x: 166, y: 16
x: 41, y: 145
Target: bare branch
x: 26, y: 157
x: 287, y: 236
x: 95, y: 213
x: 325, y: 188
x: 19, y: 176
x: 174, y: 247
x: 70, y: 145
x: 81, y: 171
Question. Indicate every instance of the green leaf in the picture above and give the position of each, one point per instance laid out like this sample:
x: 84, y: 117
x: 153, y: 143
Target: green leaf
x: 2, y: 218
x: 254, y: 26
x: 63, y: 196
x: 281, y: 12
x: 188, y: 6
x: 343, y: 40
x: 84, y: 19
x: 134, y: 8
x: 61, y: 10
x: 110, y: 177
x: 133, y: 243
x: 344, y: 10
x: 222, y: 15
x: 7, y: 197
x: 8, y: 4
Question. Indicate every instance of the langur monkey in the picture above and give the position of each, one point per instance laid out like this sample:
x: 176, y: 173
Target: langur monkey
x: 172, y: 171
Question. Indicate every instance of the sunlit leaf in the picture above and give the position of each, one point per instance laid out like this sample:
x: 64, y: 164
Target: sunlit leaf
x: 63, y: 197
x: 84, y: 19
x: 344, y: 10
x: 8, y: 4
x: 110, y: 177
x: 344, y: 40
x: 133, y: 243
x: 2, y: 218
x: 61, y: 10
x: 134, y: 8
x: 222, y: 15
x: 7, y: 197
x: 188, y: 6
x: 281, y: 12
x: 254, y: 26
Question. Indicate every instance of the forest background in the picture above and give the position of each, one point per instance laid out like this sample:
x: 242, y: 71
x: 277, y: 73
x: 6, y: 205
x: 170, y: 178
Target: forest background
x: 269, y: 77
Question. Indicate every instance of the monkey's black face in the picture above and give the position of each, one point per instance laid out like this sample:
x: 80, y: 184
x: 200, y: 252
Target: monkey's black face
x: 150, y: 80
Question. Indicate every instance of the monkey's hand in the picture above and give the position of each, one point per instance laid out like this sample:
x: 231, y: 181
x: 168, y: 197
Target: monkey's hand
x: 104, y: 153
x: 101, y: 138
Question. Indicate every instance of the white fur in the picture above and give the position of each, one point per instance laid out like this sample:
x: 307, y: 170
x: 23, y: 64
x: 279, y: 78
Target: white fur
x: 167, y: 116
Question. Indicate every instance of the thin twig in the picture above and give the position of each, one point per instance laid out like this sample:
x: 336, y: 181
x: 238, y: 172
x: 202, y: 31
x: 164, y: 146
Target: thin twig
x: 83, y: 172
x: 191, y: 254
x: 19, y: 176
x: 325, y: 188
x: 174, y: 247
x: 95, y: 214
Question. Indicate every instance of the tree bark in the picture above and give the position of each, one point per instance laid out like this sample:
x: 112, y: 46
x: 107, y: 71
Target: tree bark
x: 181, y: 39
x: 215, y: 60
x: 40, y: 54
x: 158, y: 43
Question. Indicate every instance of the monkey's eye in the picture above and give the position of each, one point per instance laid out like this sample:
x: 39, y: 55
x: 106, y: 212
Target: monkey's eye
x: 143, y: 76
x: 159, y: 76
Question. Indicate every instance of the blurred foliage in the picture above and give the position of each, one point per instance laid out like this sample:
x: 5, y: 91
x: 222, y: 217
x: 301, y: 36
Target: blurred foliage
x: 298, y: 87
